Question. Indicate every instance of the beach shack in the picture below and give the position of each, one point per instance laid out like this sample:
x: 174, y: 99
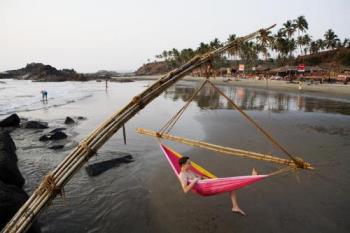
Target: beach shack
x: 287, y: 72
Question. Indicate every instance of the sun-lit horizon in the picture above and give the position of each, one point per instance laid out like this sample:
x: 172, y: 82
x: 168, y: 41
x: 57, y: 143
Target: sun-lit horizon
x: 116, y: 35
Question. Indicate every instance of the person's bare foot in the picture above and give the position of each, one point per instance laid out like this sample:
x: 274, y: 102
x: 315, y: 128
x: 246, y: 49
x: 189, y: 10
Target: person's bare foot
x: 239, y: 211
x: 254, y: 172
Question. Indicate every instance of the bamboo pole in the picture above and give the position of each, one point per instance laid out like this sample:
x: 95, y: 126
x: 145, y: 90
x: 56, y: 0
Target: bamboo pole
x: 297, y: 162
x: 224, y: 150
x: 71, y: 164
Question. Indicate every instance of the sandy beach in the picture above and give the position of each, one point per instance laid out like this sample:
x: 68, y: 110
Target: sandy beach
x: 322, y: 90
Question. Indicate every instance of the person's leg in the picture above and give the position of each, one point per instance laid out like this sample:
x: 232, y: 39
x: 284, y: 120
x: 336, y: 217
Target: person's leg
x: 254, y: 172
x: 235, y: 207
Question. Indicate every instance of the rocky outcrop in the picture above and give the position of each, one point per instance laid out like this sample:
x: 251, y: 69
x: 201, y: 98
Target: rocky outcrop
x: 12, y: 195
x: 153, y: 68
x: 11, y: 199
x: 9, y: 172
x: 42, y: 72
x: 10, y: 121
x: 46, y: 73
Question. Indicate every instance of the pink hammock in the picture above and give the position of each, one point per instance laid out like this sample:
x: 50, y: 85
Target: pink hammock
x: 212, y: 185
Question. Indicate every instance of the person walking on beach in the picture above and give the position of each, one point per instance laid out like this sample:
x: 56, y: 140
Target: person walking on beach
x: 44, y: 95
x: 189, y: 179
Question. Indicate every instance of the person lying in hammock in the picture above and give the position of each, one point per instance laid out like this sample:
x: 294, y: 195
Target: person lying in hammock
x: 189, y: 179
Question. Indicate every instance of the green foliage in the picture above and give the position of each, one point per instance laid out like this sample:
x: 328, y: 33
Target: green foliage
x: 282, y: 45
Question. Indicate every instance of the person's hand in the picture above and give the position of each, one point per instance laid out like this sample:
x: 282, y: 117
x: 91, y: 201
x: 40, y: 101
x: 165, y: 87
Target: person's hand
x: 195, y: 180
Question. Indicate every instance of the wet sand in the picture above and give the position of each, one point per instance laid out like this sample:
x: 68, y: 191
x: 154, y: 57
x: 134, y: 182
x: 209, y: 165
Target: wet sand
x: 322, y: 90
x: 145, y: 196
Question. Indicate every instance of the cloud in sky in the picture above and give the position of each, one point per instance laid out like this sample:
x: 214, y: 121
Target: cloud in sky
x: 89, y: 35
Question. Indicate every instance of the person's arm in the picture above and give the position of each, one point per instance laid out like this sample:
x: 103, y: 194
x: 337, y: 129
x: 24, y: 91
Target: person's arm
x: 188, y: 187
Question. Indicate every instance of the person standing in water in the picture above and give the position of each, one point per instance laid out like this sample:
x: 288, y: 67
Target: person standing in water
x: 44, y: 95
x: 189, y: 179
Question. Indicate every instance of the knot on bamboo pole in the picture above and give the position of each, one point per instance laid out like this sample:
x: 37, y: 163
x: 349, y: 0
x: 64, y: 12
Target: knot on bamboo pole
x: 48, y: 184
x: 299, y: 163
x: 90, y: 151
x: 137, y: 100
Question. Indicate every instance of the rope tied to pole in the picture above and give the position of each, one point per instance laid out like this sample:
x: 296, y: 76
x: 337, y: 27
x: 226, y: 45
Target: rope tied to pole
x: 138, y: 101
x: 90, y: 151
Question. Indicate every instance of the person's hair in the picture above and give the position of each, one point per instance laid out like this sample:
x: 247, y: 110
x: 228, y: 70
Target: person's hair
x: 183, y: 160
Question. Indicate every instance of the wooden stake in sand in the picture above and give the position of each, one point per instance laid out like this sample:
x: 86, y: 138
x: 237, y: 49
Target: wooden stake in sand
x: 55, y: 181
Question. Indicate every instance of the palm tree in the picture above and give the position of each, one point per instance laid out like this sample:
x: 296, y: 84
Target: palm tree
x: 303, y: 41
x: 344, y: 44
x: 203, y: 48
x: 321, y: 44
x: 280, y: 43
x: 331, y: 39
x: 165, y: 54
x: 266, y: 41
x: 291, y: 46
x: 248, y: 52
x: 289, y: 28
x: 186, y: 54
x: 215, y: 44
x: 234, y: 50
x: 314, y: 47
x: 301, y: 24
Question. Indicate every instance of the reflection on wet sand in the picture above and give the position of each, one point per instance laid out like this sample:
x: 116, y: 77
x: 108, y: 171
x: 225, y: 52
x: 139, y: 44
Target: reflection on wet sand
x: 258, y: 100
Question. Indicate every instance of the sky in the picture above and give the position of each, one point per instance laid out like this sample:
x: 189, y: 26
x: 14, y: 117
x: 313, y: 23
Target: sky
x: 92, y: 35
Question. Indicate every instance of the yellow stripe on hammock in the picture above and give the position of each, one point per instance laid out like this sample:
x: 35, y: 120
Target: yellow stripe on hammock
x: 195, y: 165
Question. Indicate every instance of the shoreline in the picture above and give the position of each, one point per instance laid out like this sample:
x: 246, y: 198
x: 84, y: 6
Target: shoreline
x: 334, y: 91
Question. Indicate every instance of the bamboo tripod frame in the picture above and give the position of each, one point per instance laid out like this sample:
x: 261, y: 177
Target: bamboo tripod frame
x: 223, y: 149
x: 54, y: 182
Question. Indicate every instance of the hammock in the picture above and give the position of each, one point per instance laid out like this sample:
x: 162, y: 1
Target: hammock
x: 212, y: 185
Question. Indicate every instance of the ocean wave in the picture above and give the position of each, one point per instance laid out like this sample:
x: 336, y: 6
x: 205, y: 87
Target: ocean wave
x: 37, y: 105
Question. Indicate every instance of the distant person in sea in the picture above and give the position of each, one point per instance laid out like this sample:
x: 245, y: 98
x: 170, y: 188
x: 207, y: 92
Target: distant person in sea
x: 44, y: 95
x: 189, y: 179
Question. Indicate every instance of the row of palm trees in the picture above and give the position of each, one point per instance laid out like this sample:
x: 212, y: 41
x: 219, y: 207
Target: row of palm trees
x: 290, y: 40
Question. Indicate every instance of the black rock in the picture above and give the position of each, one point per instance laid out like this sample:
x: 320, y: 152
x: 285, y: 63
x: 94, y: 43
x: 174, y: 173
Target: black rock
x: 54, y: 136
x: 35, y: 125
x: 56, y: 147
x: 11, y: 199
x: 9, y: 172
x: 12, y: 195
x: 57, y: 136
x: 11, y: 121
x: 57, y: 130
x: 8, y: 145
x: 44, y: 138
x: 100, y: 167
x: 81, y: 118
x: 69, y: 121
